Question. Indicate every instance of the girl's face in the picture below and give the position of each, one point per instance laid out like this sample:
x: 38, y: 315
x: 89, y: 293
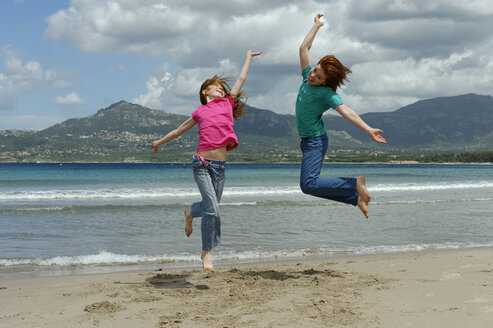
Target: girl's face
x: 316, y: 76
x: 214, y: 91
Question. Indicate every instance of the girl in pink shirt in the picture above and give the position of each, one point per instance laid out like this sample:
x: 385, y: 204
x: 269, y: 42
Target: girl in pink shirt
x: 215, y: 118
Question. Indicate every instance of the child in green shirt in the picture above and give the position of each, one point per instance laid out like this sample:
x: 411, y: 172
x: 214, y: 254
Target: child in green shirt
x: 316, y: 95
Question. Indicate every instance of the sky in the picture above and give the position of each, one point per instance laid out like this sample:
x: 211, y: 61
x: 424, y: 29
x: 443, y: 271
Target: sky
x: 62, y: 59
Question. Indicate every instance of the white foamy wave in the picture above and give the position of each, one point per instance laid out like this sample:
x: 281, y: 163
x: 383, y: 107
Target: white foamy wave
x: 143, y: 193
x: 103, y: 258
x: 135, y: 193
x: 332, y: 252
x: 431, y: 186
x: 433, y: 201
x: 383, y: 249
x: 123, y: 193
x: 253, y: 191
x: 108, y: 258
x: 239, y: 204
x: 112, y: 259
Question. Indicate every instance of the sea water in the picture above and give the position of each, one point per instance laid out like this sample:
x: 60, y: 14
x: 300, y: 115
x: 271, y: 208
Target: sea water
x: 58, y: 218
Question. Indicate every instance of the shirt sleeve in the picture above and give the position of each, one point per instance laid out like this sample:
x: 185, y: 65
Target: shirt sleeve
x: 333, y: 99
x: 233, y: 103
x: 305, y: 72
x: 195, y: 116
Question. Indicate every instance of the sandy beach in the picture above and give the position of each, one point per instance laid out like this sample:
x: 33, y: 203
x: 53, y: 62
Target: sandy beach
x: 452, y: 288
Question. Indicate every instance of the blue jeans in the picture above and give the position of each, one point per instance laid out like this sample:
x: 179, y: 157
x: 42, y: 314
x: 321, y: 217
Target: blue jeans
x: 338, y: 189
x: 209, y: 176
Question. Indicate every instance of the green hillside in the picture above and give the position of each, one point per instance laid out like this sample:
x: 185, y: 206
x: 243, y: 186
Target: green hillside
x: 124, y: 132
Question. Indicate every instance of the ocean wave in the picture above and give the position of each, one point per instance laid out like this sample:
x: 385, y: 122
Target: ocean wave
x: 104, y: 258
x: 171, y: 193
x: 136, y: 193
x: 430, y: 186
x: 107, y: 207
x: 122, y: 193
x: 432, y: 201
x: 267, y: 203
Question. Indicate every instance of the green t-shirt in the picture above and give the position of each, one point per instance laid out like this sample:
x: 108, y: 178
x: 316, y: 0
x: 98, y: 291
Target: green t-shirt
x: 311, y: 103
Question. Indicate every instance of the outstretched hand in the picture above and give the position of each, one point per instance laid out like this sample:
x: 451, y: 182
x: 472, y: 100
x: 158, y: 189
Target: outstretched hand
x: 317, y: 19
x: 375, y: 135
x: 155, y: 148
x: 252, y: 53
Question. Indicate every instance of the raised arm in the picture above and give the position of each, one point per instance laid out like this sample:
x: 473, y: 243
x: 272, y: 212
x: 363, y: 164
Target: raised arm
x: 235, y: 90
x: 307, y: 42
x: 355, y: 119
x: 184, y: 127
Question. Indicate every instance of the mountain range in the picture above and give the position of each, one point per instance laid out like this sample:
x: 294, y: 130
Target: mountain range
x: 124, y: 131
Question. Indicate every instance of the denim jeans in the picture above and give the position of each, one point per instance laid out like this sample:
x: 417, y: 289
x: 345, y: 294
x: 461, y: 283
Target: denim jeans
x: 209, y: 176
x: 338, y: 189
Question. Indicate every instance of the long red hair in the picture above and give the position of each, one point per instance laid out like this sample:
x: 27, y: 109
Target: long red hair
x: 239, y: 109
x: 335, y: 72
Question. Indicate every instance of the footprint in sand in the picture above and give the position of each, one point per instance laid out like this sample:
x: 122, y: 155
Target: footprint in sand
x: 487, y: 309
x: 103, y: 307
x: 450, y: 276
x: 478, y: 299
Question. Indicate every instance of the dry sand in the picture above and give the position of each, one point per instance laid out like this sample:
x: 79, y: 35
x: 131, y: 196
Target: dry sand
x: 425, y: 289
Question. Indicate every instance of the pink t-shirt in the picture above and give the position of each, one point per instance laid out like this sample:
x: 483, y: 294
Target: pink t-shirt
x: 215, y: 120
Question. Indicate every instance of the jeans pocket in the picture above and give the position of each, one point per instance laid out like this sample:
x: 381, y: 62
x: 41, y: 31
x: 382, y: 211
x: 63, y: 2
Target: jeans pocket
x: 196, y: 162
x: 311, y: 143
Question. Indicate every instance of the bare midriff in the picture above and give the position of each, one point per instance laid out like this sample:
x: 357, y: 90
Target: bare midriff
x: 218, y: 154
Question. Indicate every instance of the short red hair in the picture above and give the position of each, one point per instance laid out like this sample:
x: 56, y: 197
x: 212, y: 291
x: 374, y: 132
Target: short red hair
x: 335, y: 72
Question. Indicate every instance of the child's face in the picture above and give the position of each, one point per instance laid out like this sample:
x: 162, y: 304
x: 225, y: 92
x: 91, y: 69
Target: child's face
x: 214, y: 91
x: 316, y: 76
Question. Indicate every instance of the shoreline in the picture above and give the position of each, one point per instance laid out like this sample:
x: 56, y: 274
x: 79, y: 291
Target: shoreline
x: 268, y: 163
x: 432, y: 288
x: 27, y: 271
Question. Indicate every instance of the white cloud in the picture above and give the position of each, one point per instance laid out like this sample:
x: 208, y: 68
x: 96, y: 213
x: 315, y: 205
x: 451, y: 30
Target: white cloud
x: 71, y: 99
x: 393, y: 84
x: 156, y: 89
x: 180, y: 93
x: 19, y: 77
x: 120, y: 26
x: 399, y: 51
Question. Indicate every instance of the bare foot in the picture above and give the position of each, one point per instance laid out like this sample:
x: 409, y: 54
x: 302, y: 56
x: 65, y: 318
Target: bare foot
x: 206, y: 258
x: 364, y: 196
x: 188, y: 223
